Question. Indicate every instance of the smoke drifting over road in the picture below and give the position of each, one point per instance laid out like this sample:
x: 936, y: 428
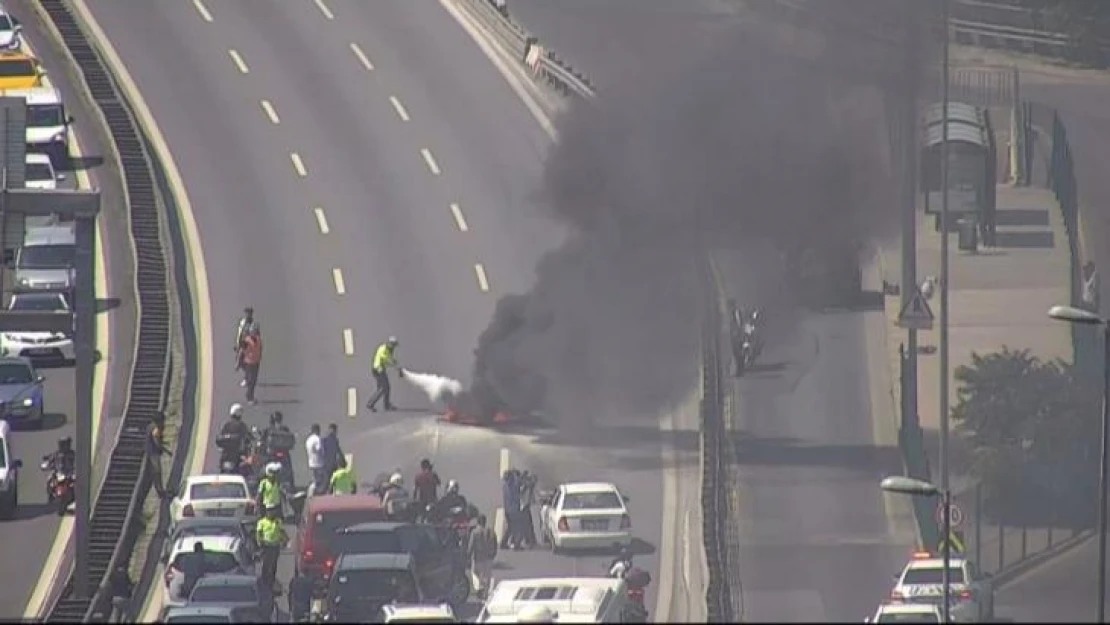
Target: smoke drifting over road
x: 744, y: 145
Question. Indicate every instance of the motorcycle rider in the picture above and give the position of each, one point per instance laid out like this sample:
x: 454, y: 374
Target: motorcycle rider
x: 451, y: 499
x: 394, y: 492
x: 234, y: 437
x: 736, y: 334
x: 622, y: 564
x: 279, y: 438
x: 63, y: 461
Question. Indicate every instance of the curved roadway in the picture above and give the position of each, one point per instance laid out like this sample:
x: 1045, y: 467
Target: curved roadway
x: 321, y: 139
x: 36, y: 534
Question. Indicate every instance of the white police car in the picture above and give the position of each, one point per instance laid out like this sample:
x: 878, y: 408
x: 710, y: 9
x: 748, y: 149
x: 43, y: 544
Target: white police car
x: 971, y: 594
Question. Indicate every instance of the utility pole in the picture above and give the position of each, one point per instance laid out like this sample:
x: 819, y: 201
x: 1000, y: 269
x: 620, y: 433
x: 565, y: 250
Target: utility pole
x: 945, y: 546
x: 910, y: 422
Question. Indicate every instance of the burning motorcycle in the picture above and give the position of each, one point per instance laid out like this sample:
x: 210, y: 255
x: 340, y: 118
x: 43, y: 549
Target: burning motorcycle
x: 59, y: 486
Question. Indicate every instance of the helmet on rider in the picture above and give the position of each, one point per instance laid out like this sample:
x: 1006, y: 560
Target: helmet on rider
x: 65, y: 444
x: 236, y: 411
x: 276, y: 417
x: 535, y: 614
x: 273, y: 468
x: 397, y: 480
x: 248, y: 310
x: 453, y: 487
x: 392, y: 341
x: 625, y: 553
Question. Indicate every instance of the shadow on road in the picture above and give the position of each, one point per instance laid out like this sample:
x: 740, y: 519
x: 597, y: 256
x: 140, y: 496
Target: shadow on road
x: 777, y: 451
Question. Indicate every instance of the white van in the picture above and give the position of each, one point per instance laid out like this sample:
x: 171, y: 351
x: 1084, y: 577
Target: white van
x: 569, y: 599
x: 47, y: 122
x: 9, y: 473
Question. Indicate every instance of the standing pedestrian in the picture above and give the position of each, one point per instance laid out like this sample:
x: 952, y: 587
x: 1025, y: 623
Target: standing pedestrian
x: 426, y: 485
x: 343, y: 480
x: 510, y: 503
x: 251, y: 359
x: 271, y: 537
x: 527, y: 498
x: 316, y: 464
x: 247, y: 325
x: 155, y: 449
x: 481, y: 552
x: 384, y: 358
x: 330, y: 449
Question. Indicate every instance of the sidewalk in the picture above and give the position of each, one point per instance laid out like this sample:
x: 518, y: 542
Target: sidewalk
x: 998, y: 297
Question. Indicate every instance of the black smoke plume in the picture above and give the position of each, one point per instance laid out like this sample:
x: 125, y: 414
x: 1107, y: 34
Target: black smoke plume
x: 764, y: 139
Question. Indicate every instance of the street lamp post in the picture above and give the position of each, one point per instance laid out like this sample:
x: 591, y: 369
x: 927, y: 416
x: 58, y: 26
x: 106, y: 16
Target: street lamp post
x: 944, y: 217
x: 1080, y: 316
x: 921, y: 488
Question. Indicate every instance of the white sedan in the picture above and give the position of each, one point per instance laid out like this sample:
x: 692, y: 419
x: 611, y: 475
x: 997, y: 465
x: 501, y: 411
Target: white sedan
x: 213, y: 496
x: 38, y: 345
x: 39, y: 172
x: 585, y: 515
x: 222, y: 554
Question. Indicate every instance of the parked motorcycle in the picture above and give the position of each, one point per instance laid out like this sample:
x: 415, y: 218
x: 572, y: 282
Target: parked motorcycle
x: 636, y: 581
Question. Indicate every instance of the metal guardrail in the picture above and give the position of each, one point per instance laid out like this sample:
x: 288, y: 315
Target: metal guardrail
x: 543, y: 63
x: 1003, y: 25
x: 714, y: 442
x: 116, y: 516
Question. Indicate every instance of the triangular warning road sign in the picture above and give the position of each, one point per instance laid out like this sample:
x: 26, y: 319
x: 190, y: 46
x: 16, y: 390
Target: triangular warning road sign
x: 916, y: 314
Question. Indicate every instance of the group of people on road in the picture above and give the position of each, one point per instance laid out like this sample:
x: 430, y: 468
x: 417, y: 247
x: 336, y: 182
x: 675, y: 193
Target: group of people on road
x: 518, y: 494
x: 328, y: 463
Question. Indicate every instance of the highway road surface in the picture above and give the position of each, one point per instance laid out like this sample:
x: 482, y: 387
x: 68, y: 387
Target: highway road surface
x: 818, y: 540
x: 36, y: 538
x: 1061, y: 590
x: 359, y: 170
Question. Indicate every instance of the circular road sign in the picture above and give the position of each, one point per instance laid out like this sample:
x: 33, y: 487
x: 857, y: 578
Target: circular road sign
x: 956, y: 515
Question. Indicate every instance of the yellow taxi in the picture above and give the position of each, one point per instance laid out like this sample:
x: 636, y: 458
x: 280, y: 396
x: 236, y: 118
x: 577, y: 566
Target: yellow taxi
x: 19, y: 71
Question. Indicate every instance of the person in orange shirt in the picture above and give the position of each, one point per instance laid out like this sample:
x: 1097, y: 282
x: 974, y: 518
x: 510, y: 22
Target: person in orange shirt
x: 251, y: 351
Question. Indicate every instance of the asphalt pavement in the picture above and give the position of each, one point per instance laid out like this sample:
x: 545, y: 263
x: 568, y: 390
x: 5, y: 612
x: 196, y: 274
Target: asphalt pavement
x: 31, y: 537
x: 380, y: 115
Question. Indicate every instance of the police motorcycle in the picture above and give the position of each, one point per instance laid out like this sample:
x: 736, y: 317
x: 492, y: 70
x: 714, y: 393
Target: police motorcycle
x: 239, y: 457
x: 60, y: 484
x: 636, y: 580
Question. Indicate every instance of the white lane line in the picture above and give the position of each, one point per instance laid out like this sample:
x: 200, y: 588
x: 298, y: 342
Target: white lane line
x: 361, y: 56
x: 324, y: 9
x: 348, y: 342
x: 239, y: 62
x: 298, y: 164
x: 203, y: 10
x: 270, y: 111
x: 459, y: 219
x: 430, y: 160
x: 480, y: 273
x: 337, y: 278
x: 321, y: 220
x: 352, y: 402
x: 435, y: 439
x: 400, y: 108
x: 500, y: 524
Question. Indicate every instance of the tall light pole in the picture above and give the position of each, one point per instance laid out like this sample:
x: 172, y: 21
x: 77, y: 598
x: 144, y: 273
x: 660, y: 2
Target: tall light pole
x: 1078, y: 315
x: 945, y: 547
x: 921, y: 488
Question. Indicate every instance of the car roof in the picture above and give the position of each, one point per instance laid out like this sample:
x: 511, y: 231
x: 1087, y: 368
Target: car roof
x: 37, y: 158
x: 573, y: 595
x: 373, y: 526
x: 416, y: 611
x: 49, y: 235
x: 35, y: 95
x: 215, y: 478
x: 908, y: 608
x: 201, y: 609
x: 200, y: 522
x: 211, y: 543
x: 382, y: 561
x: 576, y: 488
x: 228, y: 579
x: 338, y: 503
x: 954, y: 562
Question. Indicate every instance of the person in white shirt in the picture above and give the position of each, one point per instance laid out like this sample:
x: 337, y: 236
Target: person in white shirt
x: 320, y: 478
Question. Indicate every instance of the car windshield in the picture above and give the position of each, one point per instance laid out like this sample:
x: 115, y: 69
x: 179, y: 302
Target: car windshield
x: 384, y: 541
x: 933, y: 576
x: 15, y: 373
x: 37, y: 302
x: 38, y: 172
x: 217, y: 490
x: 6, y: 23
x: 591, y: 501
x: 45, y: 115
x: 205, y: 531
x: 214, y: 561
x: 17, y: 67
x: 47, y: 256
x: 214, y: 593
x: 3, y: 458
x: 327, y: 523
x: 916, y: 617
x: 375, y: 584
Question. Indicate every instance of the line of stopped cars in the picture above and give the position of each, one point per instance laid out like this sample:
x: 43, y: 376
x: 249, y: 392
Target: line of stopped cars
x: 918, y: 592
x: 365, y: 563
x: 39, y: 257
